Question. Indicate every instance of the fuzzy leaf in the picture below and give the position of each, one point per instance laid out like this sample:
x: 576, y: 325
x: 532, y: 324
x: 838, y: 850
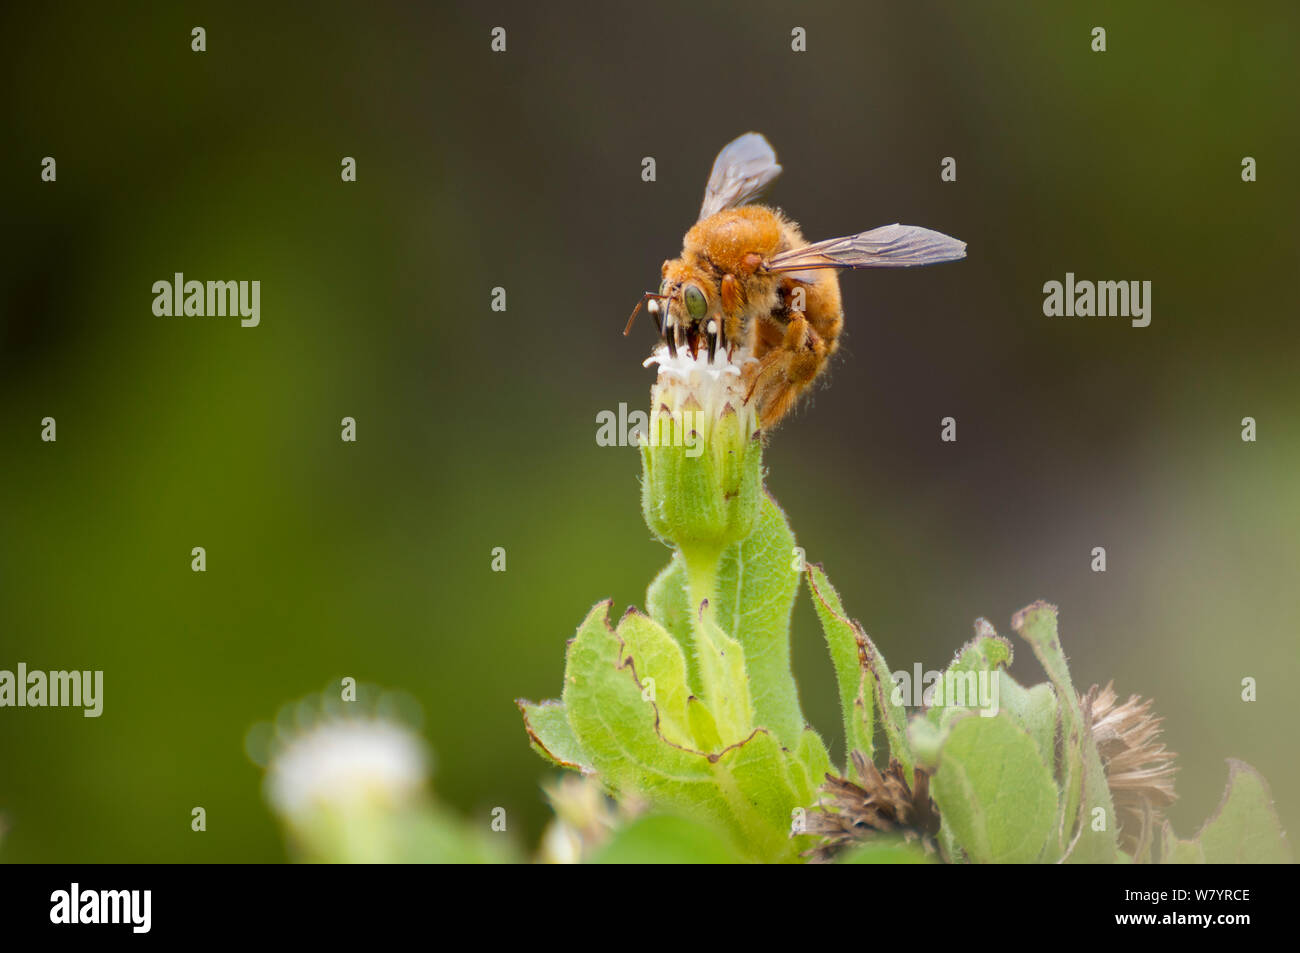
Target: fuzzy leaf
x: 985, y: 652
x: 749, y: 788
x: 722, y: 664
x: 885, y: 852
x: 1244, y: 828
x: 811, y: 754
x: 668, y: 603
x: 657, y: 656
x: 618, y: 728
x: 549, y: 734
x: 756, y: 586
x: 1174, y: 850
x: 994, y: 792
x: 1084, y: 780
x: 1034, y: 710
x: 808, y: 765
x: 704, y: 728
x: 667, y: 839
x: 863, y: 677
x: 758, y: 775
x: 971, y: 678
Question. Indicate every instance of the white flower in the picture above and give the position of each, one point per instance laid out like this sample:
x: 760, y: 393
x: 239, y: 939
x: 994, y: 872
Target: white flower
x: 709, y: 387
x: 346, y: 764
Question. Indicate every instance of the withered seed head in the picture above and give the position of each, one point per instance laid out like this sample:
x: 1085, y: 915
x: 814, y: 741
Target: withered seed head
x: 1139, y: 769
x: 854, y: 812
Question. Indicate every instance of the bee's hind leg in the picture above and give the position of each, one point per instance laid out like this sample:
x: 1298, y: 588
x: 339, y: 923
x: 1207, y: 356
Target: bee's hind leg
x: 786, y: 370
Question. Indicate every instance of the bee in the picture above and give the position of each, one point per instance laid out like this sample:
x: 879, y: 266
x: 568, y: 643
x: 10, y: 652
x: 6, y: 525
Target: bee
x: 748, y: 283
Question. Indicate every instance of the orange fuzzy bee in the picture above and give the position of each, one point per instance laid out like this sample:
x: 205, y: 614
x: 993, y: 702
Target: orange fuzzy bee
x: 747, y: 283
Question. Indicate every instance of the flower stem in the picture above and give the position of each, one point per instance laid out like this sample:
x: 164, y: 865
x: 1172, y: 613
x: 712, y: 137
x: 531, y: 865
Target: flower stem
x: 701, y: 574
x: 722, y: 684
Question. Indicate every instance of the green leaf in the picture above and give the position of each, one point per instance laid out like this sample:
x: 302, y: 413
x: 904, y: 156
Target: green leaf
x: 808, y: 764
x: 617, y: 727
x: 811, y: 754
x: 1034, y: 710
x: 971, y: 676
x: 704, y: 728
x: 857, y: 707
x: 1244, y: 828
x: 1084, y: 787
x: 886, y: 852
x: 722, y: 669
x: 994, y: 792
x: 985, y: 652
x: 717, y: 667
x: 667, y: 839
x: 865, y: 683
x: 549, y: 734
x: 750, y: 787
x: 658, y: 661
x: 757, y: 776
x: 1173, y: 850
x: 756, y: 585
x: 668, y: 602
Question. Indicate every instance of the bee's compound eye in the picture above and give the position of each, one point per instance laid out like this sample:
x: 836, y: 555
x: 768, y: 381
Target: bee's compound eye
x: 696, y: 304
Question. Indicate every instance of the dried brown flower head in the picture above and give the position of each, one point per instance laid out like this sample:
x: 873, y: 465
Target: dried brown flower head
x: 859, y: 810
x: 1139, y: 769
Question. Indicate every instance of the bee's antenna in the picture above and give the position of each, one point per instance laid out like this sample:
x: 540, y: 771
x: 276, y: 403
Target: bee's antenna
x: 637, y: 310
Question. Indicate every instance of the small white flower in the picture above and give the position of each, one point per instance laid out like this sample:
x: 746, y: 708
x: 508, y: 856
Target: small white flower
x: 345, y: 764
x: 696, y: 383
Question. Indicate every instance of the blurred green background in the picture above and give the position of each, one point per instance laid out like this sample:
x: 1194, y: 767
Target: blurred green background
x: 477, y: 429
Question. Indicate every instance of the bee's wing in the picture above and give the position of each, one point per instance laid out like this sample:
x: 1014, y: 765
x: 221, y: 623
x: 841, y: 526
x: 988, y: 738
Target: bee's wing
x: 890, y: 246
x: 743, y: 168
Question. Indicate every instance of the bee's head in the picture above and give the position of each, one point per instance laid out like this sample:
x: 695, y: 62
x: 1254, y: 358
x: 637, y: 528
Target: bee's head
x: 685, y: 310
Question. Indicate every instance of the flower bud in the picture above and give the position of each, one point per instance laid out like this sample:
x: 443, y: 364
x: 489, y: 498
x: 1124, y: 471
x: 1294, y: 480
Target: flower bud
x: 702, y: 458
